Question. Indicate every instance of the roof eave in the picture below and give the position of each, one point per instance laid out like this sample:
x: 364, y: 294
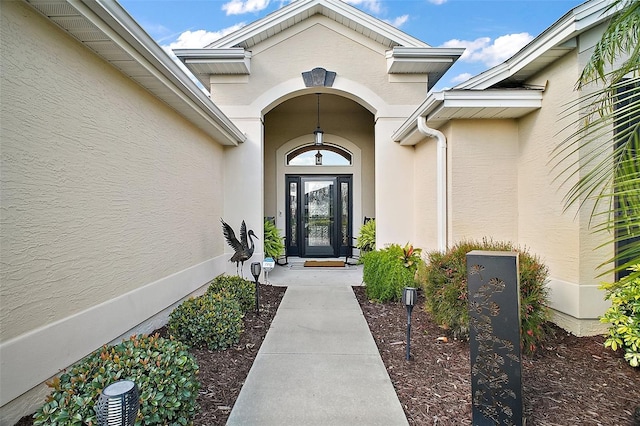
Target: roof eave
x: 559, y: 36
x: 158, y: 73
x: 440, y: 107
x: 297, y: 11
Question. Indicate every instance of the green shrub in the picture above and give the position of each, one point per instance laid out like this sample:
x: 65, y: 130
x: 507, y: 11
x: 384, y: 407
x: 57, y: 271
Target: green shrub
x: 385, y: 273
x: 242, y: 290
x: 212, y: 320
x: 273, y: 244
x: 163, y: 370
x: 367, y: 236
x: 624, y: 316
x: 444, y: 281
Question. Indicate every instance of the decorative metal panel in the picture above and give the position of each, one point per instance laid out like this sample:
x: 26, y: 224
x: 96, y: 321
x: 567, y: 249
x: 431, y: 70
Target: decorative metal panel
x: 494, y: 328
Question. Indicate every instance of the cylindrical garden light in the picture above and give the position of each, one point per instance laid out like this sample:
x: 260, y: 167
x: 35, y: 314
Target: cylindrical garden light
x: 409, y: 297
x: 255, y: 271
x: 118, y: 404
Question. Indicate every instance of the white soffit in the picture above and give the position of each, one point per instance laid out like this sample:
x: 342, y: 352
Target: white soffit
x: 108, y: 30
x: 440, y: 107
x: 297, y: 11
x: 433, y: 61
x: 554, y: 42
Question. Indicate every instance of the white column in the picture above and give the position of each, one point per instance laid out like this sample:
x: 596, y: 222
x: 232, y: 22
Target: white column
x: 394, y: 186
x: 244, y: 188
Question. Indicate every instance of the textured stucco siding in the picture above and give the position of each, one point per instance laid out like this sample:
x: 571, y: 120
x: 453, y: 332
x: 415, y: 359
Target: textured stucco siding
x: 482, y: 180
x: 425, y: 198
x: 318, y: 42
x: 563, y: 239
x: 105, y: 191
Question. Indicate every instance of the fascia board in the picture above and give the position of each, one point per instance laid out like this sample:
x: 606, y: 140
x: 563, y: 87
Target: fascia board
x: 237, y: 56
x: 117, y: 24
x: 301, y: 7
x: 461, y: 99
x: 566, y: 28
x: 410, y: 125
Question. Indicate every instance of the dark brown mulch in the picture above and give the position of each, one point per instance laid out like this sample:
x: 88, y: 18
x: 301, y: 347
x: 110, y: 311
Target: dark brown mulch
x: 569, y: 381
x: 222, y: 373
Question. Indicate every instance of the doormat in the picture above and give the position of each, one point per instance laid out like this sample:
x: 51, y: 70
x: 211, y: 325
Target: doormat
x: 324, y: 263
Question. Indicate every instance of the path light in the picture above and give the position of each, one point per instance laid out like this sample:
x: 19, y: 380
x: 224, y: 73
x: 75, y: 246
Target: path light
x: 255, y: 271
x: 409, y: 296
x: 118, y: 404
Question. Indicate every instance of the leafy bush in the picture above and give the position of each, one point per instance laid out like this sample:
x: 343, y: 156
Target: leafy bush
x: 273, y: 244
x: 624, y: 316
x: 385, y: 273
x: 444, y: 281
x: 213, y: 320
x: 163, y: 370
x: 367, y: 236
x: 242, y: 290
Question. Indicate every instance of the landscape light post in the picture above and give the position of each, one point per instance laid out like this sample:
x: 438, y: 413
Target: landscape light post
x: 118, y: 404
x: 409, y: 296
x: 255, y: 271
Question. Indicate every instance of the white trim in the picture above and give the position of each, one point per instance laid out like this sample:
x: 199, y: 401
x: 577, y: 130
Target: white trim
x: 520, y: 101
x: 33, y: 357
x: 302, y: 9
x: 576, y: 21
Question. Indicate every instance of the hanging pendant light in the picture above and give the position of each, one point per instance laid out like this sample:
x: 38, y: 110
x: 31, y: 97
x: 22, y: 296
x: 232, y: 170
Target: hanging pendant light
x: 318, y: 159
x: 318, y: 133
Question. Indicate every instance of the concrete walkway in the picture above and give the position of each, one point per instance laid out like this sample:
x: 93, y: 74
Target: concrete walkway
x: 318, y: 364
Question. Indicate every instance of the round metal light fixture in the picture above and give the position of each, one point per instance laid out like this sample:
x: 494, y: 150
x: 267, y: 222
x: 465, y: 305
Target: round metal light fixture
x: 118, y: 404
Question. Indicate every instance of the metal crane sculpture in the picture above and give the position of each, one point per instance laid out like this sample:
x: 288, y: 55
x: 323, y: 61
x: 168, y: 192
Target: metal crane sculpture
x: 243, y: 248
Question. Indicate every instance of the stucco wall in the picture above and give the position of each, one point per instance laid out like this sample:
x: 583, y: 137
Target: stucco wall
x: 563, y: 238
x: 106, y: 192
x: 425, y: 199
x: 317, y: 42
x: 482, y: 180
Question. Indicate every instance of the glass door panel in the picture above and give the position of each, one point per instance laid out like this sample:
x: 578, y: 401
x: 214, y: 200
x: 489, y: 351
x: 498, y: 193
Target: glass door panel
x: 319, y: 216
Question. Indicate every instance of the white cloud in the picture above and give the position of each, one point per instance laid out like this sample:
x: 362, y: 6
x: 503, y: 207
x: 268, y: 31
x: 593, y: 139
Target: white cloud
x: 437, y: 1
x: 200, y: 38
x: 460, y: 78
x: 371, y: 5
x: 491, y: 53
x: 399, y: 21
x: 196, y: 40
x: 238, y: 7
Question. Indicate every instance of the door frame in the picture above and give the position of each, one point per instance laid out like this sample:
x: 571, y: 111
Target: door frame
x: 295, y: 241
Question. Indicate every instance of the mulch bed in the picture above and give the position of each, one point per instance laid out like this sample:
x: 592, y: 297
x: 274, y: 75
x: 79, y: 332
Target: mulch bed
x: 570, y: 381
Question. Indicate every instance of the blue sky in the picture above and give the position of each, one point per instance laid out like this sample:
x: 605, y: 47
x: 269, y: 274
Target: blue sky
x: 491, y: 30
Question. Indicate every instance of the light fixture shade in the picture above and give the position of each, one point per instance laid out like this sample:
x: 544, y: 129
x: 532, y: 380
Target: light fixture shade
x: 319, y: 136
x: 118, y: 404
x: 409, y: 296
x: 255, y: 270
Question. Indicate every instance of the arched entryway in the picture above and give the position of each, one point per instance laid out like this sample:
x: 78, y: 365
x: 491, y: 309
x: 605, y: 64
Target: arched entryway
x: 319, y: 203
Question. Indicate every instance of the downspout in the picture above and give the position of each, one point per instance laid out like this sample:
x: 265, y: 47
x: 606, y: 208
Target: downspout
x: 441, y: 178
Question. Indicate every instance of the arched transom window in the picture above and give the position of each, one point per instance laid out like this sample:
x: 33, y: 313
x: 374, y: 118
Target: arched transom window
x: 322, y: 155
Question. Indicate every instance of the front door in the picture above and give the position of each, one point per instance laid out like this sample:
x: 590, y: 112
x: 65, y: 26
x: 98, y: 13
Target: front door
x: 318, y: 215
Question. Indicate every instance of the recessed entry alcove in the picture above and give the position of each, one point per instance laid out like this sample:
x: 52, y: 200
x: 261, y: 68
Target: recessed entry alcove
x: 319, y: 193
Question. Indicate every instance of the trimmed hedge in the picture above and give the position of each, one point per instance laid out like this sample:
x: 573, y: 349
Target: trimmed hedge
x: 163, y: 370
x: 213, y: 321
x: 242, y: 290
x: 444, y: 281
